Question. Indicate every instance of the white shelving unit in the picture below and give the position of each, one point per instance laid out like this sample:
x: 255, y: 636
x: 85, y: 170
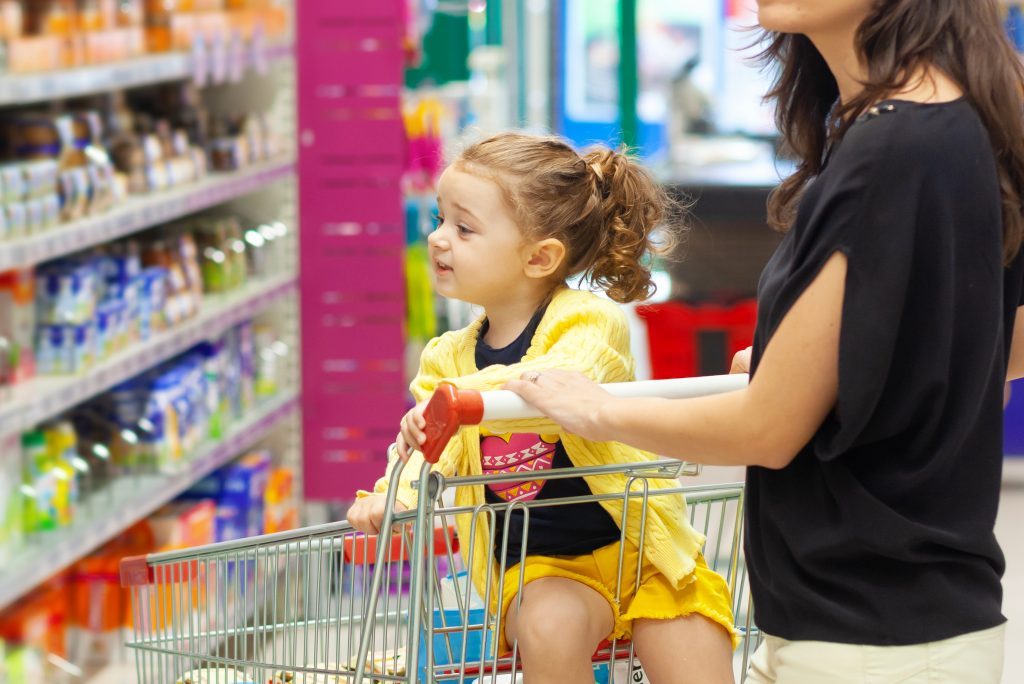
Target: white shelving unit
x: 19, y: 89
x: 131, y: 499
x: 265, y: 82
x: 138, y: 213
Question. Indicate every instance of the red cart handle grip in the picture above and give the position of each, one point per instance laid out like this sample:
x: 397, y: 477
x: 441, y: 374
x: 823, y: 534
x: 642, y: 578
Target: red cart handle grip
x: 449, y: 409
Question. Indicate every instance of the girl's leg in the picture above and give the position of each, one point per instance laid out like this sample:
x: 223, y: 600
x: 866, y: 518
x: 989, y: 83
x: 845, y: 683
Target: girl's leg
x: 558, y: 627
x: 684, y: 650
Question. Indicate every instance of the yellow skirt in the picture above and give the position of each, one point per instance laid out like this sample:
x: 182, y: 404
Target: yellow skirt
x: 656, y: 599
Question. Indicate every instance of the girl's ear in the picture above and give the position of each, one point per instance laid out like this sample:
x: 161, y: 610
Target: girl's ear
x: 544, y: 258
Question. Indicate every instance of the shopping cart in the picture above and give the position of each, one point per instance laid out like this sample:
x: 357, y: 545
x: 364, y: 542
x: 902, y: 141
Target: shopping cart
x: 326, y: 604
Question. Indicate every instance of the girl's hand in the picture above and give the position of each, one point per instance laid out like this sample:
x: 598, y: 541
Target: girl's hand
x: 741, y: 362
x: 411, y: 436
x: 570, y: 399
x: 367, y: 514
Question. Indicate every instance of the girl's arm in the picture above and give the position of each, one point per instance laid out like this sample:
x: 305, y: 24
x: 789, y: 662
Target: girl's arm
x: 1016, y: 367
x: 766, y: 424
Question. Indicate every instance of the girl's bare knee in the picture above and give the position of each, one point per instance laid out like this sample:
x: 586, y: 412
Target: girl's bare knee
x: 561, y: 619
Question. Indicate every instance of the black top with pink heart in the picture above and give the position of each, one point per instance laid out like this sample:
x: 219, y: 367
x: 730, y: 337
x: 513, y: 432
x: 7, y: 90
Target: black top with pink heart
x: 565, y: 530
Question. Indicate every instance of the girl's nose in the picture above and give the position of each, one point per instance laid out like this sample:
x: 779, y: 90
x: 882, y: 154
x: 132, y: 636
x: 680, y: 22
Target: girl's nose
x: 436, y: 239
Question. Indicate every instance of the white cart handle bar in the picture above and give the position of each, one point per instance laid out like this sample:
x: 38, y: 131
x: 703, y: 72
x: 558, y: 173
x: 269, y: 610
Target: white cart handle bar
x: 450, y: 408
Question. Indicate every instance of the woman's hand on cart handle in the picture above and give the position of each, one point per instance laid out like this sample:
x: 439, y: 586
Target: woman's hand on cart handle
x: 741, y: 361
x: 568, y: 398
x: 367, y: 513
x: 411, y: 435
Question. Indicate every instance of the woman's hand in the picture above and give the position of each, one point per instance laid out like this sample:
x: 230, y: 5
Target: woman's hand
x: 741, y: 362
x: 411, y: 435
x: 367, y: 514
x: 570, y: 399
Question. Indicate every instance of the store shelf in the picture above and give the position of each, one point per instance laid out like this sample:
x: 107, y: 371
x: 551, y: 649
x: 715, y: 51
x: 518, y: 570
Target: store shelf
x: 131, y: 499
x: 16, y: 89
x: 137, y: 213
x: 45, y: 397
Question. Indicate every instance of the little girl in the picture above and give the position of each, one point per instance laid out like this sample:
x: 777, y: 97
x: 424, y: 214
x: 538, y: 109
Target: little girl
x: 519, y: 215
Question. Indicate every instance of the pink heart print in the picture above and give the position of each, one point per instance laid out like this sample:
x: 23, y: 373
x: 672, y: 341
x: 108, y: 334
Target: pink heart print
x: 520, y: 453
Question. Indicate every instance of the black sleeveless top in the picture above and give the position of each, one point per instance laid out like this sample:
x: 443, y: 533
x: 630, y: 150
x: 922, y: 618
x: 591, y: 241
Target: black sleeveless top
x: 880, y: 531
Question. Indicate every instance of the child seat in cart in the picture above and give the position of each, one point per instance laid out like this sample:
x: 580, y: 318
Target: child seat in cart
x: 326, y: 604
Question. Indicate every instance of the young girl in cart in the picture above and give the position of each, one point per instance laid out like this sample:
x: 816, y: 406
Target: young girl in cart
x: 518, y: 216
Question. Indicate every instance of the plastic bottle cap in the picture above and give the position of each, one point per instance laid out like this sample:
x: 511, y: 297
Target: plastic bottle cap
x: 33, y: 440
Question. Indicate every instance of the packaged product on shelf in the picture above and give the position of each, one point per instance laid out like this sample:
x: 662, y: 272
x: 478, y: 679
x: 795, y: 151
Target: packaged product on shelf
x: 161, y: 443
x: 12, y: 19
x: 242, y: 369
x: 183, y: 524
x: 18, y: 322
x: 13, y: 182
x: 223, y: 252
x: 269, y: 364
x: 94, y: 437
x: 41, y: 511
x: 34, y: 216
x: 130, y: 13
x: 16, y: 219
x: 152, y: 301
x: 245, y: 484
x: 281, y: 512
x: 61, y: 446
x: 24, y: 665
x: 96, y: 631
x: 40, y: 177
x: 39, y: 622
x: 12, y: 524
x: 125, y: 407
x: 238, y: 491
x: 66, y: 292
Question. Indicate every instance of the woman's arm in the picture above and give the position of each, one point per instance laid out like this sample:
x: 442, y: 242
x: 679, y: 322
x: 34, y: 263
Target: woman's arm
x: 766, y: 424
x: 1016, y: 367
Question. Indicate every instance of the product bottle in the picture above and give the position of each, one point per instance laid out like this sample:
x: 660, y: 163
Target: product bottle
x: 39, y: 484
x: 61, y: 444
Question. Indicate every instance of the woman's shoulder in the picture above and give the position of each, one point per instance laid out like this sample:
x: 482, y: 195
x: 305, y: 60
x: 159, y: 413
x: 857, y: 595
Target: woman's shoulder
x: 901, y: 140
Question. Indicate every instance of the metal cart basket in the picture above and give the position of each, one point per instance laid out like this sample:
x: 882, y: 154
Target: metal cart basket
x: 327, y: 604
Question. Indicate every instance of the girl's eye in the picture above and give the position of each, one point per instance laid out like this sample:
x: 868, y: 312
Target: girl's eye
x: 464, y: 230
x: 438, y: 220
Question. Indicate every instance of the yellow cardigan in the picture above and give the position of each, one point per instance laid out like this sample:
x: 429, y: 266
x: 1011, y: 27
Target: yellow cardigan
x: 582, y: 332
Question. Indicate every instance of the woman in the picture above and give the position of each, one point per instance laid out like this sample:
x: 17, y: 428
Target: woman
x: 872, y: 423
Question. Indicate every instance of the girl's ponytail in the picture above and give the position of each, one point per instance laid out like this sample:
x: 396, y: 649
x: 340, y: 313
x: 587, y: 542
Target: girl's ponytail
x: 631, y: 205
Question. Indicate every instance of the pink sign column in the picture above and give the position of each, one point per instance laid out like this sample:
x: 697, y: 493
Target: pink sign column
x: 351, y: 142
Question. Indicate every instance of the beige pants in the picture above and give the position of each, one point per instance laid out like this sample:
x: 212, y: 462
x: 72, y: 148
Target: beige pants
x: 975, y: 658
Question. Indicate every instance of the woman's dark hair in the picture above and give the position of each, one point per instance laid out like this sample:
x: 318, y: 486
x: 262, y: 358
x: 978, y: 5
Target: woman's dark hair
x: 962, y: 38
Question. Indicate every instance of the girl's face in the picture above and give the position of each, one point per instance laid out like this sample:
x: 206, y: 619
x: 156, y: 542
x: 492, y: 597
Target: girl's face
x: 478, y: 254
x: 812, y: 17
